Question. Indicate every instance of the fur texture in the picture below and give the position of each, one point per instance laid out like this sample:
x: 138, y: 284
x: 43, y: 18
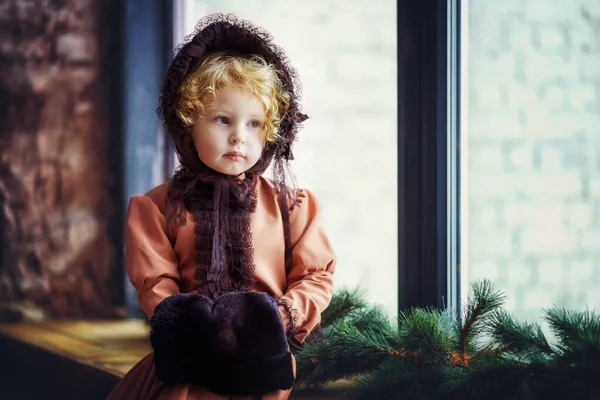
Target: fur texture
x: 235, y: 345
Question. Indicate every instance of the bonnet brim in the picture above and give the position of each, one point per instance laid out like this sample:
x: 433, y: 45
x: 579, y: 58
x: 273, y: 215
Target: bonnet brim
x: 226, y: 32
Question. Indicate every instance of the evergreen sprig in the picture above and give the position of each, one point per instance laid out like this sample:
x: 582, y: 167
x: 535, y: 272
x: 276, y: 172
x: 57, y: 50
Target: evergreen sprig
x: 479, y: 310
x: 484, y: 353
x: 519, y: 338
x: 352, y: 345
x: 343, y: 304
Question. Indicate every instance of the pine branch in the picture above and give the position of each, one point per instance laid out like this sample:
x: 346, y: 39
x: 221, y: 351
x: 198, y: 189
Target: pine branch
x: 518, y: 338
x: 316, y: 365
x: 367, y: 343
x: 575, y: 330
x: 352, y: 345
x: 432, y: 355
x: 370, y: 319
x: 489, y: 377
x: 343, y: 303
x: 420, y: 331
x: 346, y: 352
x: 484, y: 301
x: 578, y: 362
x: 571, y: 376
x: 399, y: 379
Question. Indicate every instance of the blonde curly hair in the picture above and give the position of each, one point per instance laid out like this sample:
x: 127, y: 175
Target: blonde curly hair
x: 251, y: 74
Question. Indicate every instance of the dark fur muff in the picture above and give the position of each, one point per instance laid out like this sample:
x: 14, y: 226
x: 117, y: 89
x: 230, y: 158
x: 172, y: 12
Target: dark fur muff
x: 235, y: 345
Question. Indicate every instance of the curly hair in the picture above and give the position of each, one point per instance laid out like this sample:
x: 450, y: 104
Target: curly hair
x: 222, y: 70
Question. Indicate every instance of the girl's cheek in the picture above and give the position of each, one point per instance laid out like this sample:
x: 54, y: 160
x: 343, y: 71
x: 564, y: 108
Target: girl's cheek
x: 205, y: 146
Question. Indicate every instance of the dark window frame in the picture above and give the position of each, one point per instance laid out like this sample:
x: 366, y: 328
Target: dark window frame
x: 147, y: 39
x: 428, y: 157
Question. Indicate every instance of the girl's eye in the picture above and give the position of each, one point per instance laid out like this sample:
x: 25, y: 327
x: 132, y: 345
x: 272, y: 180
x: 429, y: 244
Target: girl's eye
x: 255, y: 124
x: 222, y: 120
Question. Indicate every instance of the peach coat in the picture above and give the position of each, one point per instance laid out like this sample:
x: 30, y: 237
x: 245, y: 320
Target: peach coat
x: 160, y: 263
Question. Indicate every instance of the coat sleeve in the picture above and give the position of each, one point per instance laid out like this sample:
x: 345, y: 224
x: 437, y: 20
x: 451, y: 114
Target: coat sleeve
x: 310, y: 277
x: 150, y: 261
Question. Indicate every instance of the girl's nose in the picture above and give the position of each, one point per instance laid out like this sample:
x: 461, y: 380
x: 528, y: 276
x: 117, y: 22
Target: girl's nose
x: 238, y: 135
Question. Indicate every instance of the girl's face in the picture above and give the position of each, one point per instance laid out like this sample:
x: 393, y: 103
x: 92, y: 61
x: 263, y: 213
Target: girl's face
x: 230, y: 136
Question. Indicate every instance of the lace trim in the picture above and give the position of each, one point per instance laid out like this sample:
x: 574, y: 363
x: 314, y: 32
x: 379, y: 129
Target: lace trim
x: 292, y: 314
x: 241, y: 253
x: 223, y: 249
x: 203, y: 229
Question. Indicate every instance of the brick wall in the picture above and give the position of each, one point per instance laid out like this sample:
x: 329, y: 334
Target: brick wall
x: 58, y: 255
x: 345, y: 52
x: 534, y: 151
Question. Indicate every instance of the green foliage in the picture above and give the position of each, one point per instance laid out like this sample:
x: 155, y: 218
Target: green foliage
x: 355, y: 343
x: 428, y: 355
x: 521, y: 339
x: 343, y: 304
x: 478, y: 312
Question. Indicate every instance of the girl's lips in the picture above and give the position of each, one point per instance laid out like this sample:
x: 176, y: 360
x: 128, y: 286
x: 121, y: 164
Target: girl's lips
x: 234, y: 156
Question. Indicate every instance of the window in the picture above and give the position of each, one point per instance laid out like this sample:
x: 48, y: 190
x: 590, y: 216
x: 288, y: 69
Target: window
x: 345, y: 53
x: 531, y: 140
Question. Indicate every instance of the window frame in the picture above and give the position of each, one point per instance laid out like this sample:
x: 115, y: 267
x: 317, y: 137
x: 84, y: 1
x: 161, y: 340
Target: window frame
x: 428, y: 153
x: 147, y: 38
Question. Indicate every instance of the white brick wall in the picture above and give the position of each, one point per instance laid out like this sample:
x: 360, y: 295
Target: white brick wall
x: 534, y: 151
x: 345, y: 52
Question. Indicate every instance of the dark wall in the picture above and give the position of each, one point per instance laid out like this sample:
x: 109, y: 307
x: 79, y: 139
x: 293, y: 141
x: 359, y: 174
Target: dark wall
x: 60, y: 159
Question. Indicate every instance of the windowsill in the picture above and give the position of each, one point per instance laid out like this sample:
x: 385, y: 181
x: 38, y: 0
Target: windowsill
x: 101, y: 350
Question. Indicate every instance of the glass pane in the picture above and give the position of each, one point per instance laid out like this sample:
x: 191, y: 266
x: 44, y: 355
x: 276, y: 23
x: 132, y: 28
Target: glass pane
x: 532, y: 136
x: 345, y: 53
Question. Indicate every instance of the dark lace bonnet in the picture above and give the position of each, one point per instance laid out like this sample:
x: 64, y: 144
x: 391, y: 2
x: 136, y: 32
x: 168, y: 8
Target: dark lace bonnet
x: 221, y: 204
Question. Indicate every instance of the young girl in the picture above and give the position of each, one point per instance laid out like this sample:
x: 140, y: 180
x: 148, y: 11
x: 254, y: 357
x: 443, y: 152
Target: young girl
x: 230, y: 267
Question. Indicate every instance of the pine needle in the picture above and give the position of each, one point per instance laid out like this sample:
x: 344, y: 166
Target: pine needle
x: 490, y: 378
x: 420, y: 331
x: 518, y: 338
x: 480, y: 306
x: 372, y: 319
x: 575, y: 330
x: 431, y: 355
x: 347, y: 351
x: 398, y: 379
x: 342, y: 304
x: 578, y: 362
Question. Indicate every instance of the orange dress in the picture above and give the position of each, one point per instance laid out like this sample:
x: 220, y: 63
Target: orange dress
x: 160, y: 263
